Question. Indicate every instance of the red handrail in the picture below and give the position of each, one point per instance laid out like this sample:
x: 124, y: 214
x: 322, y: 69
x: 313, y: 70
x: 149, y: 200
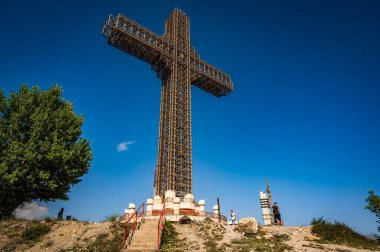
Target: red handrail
x: 160, y: 226
x: 134, y: 227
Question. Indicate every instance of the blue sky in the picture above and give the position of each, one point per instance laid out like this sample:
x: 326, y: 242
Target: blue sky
x: 304, y: 112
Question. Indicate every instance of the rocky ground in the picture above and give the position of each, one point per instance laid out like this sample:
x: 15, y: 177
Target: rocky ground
x: 57, y: 236
x: 301, y: 239
x: 197, y: 236
x: 204, y: 236
x: 216, y: 237
x: 67, y: 235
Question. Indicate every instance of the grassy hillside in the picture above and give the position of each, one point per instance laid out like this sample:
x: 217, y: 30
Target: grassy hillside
x: 51, y: 235
x: 340, y: 233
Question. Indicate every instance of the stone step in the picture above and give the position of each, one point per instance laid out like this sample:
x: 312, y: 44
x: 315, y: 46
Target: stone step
x: 143, y: 230
x: 135, y: 247
x: 146, y: 231
x: 145, y: 238
x: 147, y: 235
x: 149, y: 225
x: 149, y: 228
x: 142, y: 240
x: 138, y: 243
x: 151, y: 221
x: 136, y: 240
x: 139, y: 249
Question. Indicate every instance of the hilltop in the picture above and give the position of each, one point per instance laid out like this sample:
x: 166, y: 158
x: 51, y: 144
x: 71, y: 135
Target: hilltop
x: 212, y: 236
x: 51, y: 235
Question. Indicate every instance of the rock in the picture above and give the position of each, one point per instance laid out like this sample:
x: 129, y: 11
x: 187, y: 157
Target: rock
x: 247, y: 225
x: 311, y: 238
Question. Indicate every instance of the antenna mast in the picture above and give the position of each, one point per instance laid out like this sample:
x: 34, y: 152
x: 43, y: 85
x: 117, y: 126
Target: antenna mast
x: 270, y: 201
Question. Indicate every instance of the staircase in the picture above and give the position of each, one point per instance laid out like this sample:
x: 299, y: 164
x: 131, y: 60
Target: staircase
x: 145, y: 238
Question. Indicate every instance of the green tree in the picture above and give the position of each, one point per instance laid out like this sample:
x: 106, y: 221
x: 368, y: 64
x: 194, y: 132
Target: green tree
x: 41, y: 153
x: 373, y: 201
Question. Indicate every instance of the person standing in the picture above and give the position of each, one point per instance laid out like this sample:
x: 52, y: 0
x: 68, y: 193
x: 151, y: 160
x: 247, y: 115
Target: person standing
x: 277, y: 215
x: 60, y: 214
x: 233, y: 216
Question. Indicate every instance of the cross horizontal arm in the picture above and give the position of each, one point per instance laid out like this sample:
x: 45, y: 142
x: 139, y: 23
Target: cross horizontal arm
x: 208, y: 77
x: 135, y: 39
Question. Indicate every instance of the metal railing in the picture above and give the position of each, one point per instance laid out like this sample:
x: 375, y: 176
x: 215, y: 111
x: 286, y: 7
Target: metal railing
x: 134, y: 223
x: 160, y: 226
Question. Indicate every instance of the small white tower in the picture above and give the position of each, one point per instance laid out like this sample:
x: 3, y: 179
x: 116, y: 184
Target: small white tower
x: 265, y: 206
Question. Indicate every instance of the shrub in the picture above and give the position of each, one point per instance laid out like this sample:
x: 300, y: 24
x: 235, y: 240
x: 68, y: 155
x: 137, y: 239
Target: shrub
x: 35, y: 231
x: 281, y: 237
x: 373, y: 201
x: 340, y: 233
x: 112, y: 217
x: 253, y: 242
x: 316, y: 221
x: 168, y: 237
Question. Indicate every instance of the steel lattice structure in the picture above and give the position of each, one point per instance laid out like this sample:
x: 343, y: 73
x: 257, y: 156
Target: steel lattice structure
x: 178, y: 65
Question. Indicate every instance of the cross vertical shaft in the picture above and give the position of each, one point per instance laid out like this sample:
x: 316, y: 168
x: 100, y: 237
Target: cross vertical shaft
x: 173, y: 170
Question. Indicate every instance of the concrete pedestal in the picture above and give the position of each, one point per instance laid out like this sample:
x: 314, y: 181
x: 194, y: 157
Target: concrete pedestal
x: 175, y: 208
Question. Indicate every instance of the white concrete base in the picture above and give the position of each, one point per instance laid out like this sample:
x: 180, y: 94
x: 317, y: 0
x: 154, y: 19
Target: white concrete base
x: 175, y: 208
x: 175, y: 218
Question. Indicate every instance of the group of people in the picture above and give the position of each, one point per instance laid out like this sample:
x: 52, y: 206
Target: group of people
x: 276, y: 215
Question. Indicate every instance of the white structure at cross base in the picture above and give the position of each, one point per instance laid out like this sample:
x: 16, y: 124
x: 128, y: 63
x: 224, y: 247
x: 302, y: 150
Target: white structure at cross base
x: 175, y: 208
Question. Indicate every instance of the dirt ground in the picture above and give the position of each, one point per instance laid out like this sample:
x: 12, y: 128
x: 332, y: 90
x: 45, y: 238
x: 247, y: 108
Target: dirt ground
x: 194, y: 236
x: 69, y: 234
x: 191, y: 239
x: 61, y: 236
x: 299, y: 243
x: 197, y: 236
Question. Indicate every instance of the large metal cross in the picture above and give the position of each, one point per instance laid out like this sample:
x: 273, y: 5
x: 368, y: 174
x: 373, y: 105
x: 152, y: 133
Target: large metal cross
x: 178, y: 65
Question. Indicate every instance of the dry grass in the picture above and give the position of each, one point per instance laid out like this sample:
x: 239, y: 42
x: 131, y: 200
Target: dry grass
x: 52, y: 235
x: 21, y: 234
x: 340, y: 233
x: 258, y: 242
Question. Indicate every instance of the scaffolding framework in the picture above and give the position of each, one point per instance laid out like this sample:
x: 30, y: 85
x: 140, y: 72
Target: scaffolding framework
x: 179, y: 66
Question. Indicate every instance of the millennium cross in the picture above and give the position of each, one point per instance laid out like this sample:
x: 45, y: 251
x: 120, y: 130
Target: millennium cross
x: 178, y: 65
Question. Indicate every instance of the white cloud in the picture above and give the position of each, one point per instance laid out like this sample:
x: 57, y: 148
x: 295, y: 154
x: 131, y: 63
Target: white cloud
x: 124, y: 145
x: 32, y: 211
